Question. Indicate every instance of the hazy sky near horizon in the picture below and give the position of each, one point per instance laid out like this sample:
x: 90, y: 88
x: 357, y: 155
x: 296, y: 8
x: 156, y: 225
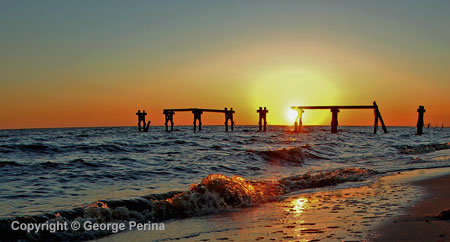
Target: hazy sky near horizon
x: 94, y: 63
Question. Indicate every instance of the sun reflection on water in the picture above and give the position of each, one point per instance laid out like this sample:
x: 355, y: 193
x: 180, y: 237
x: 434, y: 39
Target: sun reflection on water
x: 299, y: 205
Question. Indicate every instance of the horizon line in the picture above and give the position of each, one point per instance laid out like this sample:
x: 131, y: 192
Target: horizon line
x: 186, y: 125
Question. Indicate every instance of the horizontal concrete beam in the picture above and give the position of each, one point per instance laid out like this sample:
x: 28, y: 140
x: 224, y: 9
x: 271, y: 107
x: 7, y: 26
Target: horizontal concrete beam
x: 333, y: 107
x: 198, y: 109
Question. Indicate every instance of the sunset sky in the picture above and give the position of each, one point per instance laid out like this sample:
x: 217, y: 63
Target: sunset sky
x: 95, y: 63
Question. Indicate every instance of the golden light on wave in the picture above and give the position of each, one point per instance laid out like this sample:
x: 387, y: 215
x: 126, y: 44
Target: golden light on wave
x: 98, y: 204
x: 299, y: 205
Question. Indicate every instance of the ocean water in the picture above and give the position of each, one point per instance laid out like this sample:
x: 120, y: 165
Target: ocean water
x: 70, y: 170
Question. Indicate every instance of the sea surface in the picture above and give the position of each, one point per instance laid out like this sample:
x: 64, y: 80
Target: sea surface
x: 48, y: 170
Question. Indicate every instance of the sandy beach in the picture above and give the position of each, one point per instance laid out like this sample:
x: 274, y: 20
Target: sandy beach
x: 419, y: 222
x: 370, y: 212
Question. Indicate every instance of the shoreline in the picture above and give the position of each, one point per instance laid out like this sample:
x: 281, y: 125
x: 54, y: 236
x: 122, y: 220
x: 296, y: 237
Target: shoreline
x: 420, y: 222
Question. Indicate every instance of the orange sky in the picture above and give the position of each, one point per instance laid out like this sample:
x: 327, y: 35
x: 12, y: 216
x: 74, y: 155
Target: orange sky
x: 79, y: 65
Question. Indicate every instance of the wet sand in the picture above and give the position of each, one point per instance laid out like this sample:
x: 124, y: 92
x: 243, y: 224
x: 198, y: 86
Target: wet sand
x: 420, y: 223
x: 363, y: 213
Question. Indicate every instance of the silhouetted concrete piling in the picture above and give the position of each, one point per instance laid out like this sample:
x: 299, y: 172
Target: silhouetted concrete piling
x: 229, y: 117
x: 334, y: 120
x: 141, y: 119
x: 421, y: 110
x: 334, y: 115
x: 262, y: 116
x: 298, y: 123
x: 198, y: 116
x: 377, y: 115
x: 169, y: 118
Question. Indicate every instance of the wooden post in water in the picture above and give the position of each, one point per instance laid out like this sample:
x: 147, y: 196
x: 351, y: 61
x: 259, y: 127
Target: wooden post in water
x: 169, y: 118
x: 229, y: 116
x: 226, y: 119
x: 141, y: 119
x: 139, y: 114
x: 231, y: 119
x: 298, y: 124
x: 197, y: 116
x: 421, y: 110
x: 334, y: 119
x: 262, y: 116
x: 375, y: 125
x: 146, y: 127
x: 378, y: 116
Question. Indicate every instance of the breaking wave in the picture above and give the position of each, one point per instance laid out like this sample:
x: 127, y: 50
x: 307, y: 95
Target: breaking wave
x: 216, y: 193
x: 293, y: 154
